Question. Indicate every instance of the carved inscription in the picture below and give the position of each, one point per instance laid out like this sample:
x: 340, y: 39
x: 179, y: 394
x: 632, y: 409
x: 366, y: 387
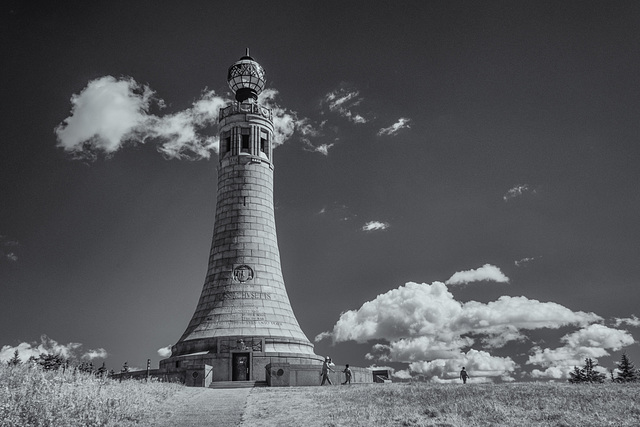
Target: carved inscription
x: 227, y: 295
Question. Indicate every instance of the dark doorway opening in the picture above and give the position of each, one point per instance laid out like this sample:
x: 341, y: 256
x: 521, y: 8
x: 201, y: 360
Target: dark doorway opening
x: 240, y: 367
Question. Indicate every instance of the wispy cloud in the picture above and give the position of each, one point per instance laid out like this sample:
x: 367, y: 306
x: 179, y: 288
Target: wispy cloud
x: 486, y: 273
x: 402, y: 123
x: 322, y: 148
x: 8, y: 249
x: 518, y: 191
x: 525, y: 261
x: 375, y: 226
x: 342, y: 101
x: 631, y: 321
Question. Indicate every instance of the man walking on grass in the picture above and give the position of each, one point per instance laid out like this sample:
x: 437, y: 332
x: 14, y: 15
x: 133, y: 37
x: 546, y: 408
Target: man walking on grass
x: 464, y: 375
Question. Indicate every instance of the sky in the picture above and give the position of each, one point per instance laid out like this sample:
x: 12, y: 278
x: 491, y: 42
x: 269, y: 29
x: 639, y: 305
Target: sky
x: 455, y: 181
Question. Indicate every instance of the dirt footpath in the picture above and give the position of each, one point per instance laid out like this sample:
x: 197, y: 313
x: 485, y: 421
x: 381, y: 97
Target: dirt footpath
x: 200, y: 407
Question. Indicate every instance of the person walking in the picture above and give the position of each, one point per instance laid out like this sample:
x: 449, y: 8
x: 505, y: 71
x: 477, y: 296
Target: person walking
x: 464, y: 375
x: 347, y: 374
x: 325, y: 371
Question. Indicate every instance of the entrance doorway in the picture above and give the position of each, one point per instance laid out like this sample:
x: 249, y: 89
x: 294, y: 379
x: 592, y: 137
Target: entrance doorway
x: 240, y: 367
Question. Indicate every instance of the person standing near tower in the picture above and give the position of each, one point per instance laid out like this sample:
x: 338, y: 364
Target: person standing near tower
x: 347, y: 374
x: 325, y: 371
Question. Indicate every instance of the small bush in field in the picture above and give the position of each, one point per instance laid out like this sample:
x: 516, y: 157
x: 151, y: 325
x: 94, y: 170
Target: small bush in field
x: 32, y: 396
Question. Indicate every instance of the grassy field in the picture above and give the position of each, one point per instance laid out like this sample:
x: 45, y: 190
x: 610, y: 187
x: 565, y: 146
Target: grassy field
x: 401, y: 404
x: 30, y: 396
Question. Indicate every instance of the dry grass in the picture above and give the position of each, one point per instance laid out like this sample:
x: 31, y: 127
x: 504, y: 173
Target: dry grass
x: 522, y: 404
x: 30, y: 396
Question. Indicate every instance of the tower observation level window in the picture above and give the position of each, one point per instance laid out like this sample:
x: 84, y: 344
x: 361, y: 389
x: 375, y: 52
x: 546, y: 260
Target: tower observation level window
x: 244, y: 147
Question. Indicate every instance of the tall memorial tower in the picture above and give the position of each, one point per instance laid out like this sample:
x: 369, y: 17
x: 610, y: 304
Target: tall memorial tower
x: 244, y: 320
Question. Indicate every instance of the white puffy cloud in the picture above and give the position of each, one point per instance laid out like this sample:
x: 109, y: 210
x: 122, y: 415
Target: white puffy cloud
x: 592, y: 341
x: 416, y: 322
x: 98, y: 353
x: 49, y: 346
x: 164, y: 351
x: 517, y: 191
x: 402, y: 123
x: 375, y: 226
x: 479, y: 365
x: 487, y: 272
x: 430, y: 313
x: 106, y: 114
x: 110, y: 113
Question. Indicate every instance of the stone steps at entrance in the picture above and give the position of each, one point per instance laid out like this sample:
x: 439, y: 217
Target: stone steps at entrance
x: 237, y: 384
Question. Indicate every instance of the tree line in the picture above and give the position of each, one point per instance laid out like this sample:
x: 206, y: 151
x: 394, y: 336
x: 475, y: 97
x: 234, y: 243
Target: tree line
x: 55, y: 362
x: 624, y: 372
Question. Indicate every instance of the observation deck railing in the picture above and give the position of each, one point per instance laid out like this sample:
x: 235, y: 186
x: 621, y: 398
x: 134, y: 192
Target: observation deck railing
x: 244, y: 108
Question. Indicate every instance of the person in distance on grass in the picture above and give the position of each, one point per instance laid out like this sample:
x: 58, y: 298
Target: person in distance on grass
x: 347, y: 374
x: 464, y: 375
x: 325, y: 371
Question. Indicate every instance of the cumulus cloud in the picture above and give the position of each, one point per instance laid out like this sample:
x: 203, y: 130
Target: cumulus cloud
x: 164, y: 351
x: 592, y: 341
x: 47, y: 345
x: 375, y: 226
x: 422, y: 310
x: 402, y: 123
x: 517, y: 191
x: 420, y: 322
x: 111, y: 113
x: 480, y: 364
x: 98, y: 353
x: 342, y: 101
x: 486, y: 273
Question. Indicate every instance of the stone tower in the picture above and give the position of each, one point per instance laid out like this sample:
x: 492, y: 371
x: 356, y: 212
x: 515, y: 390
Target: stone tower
x: 243, y: 320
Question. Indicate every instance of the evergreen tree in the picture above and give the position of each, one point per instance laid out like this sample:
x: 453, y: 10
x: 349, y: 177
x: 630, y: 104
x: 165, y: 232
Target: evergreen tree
x: 15, y: 360
x: 50, y: 362
x: 577, y: 376
x: 626, y: 371
x: 102, y: 370
x: 588, y: 373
